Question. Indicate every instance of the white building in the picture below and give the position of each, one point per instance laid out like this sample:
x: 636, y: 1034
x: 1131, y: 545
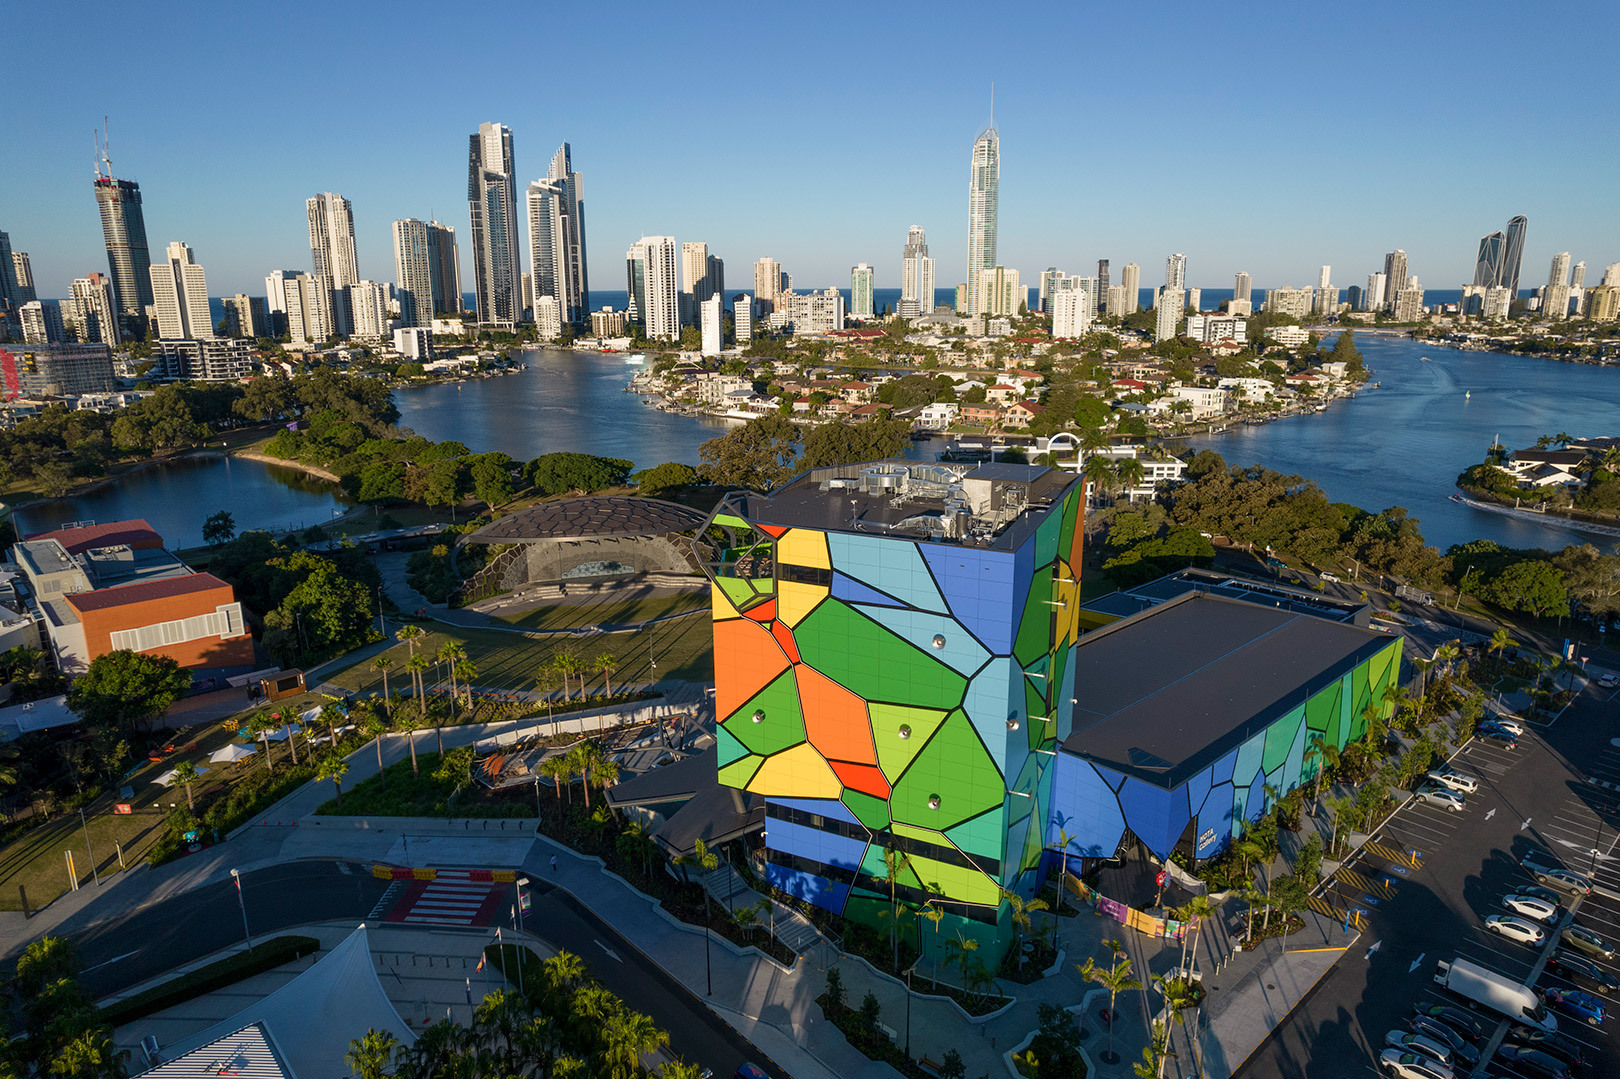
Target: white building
x: 180, y: 295
x: 91, y: 308
x: 711, y: 314
x: 1070, y: 304
x: 332, y: 252
x: 860, y: 292
x: 1498, y: 302
x: 1172, y: 302
x: 1372, y: 299
x: 1175, y: 273
x: 414, y: 343
x: 1409, y: 302
x: 1288, y: 336
x: 938, y: 415
x: 810, y: 313
x: 307, y: 304
x: 984, y: 195
x: 1207, y: 329
x: 368, y: 309
x: 997, y: 292
x: 715, y: 389
x: 742, y: 318
x: 651, y: 278
x: 548, y: 317
x: 1205, y: 400
x: 1293, y: 302
x: 1251, y: 389
x: 413, y: 271
x: 767, y: 283
x: 1240, y: 307
x: 1049, y: 284
x: 1130, y: 279
x: 1115, y: 299
x: 916, y: 276
x: 219, y: 359
x: 42, y: 322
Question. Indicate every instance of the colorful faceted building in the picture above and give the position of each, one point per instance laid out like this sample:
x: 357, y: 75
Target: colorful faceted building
x: 893, y: 674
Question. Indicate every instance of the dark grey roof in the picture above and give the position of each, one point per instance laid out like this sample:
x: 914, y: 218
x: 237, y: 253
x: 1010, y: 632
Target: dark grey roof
x: 715, y: 816
x: 673, y: 782
x: 1267, y: 593
x: 1164, y: 693
x: 587, y: 518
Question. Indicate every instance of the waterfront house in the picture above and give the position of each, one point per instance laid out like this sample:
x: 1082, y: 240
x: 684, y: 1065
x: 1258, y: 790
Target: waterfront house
x: 982, y: 415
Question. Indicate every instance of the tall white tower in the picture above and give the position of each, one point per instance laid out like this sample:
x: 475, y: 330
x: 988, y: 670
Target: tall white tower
x: 650, y: 272
x: 984, y: 193
x: 180, y: 295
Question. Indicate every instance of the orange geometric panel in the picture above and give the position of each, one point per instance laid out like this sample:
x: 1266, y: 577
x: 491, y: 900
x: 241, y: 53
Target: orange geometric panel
x: 773, y: 531
x: 749, y: 658
x: 764, y: 612
x: 862, y: 777
x: 835, y: 719
x: 784, y: 637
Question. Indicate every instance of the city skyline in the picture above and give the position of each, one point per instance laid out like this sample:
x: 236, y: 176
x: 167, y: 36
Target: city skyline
x: 775, y: 202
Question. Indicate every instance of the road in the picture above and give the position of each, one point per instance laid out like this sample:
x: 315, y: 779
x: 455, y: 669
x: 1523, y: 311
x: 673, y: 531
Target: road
x: 1533, y: 798
x: 148, y: 942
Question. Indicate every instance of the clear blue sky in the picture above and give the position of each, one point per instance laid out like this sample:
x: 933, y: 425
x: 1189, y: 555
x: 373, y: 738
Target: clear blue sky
x: 1270, y: 137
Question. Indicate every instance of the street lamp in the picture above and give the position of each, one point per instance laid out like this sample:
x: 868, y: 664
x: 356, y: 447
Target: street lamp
x: 517, y: 912
x: 236, y: 875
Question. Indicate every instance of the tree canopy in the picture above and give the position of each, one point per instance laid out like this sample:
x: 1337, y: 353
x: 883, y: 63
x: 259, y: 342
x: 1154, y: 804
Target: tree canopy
x: 122, y: 688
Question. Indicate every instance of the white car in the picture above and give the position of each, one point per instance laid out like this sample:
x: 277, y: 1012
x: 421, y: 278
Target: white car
x: 1421, y: 1044
x: 1609, y: 681
x: 1516, y: 928
x: 1507, y: 723
x: 1457, y: 781
x: 1411, y: 1066
x: 1529, y: 906
x: 1441, y: 798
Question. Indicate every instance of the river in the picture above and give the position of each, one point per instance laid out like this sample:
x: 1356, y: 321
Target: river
x: 1401, y: 444
x: 1404, y: 443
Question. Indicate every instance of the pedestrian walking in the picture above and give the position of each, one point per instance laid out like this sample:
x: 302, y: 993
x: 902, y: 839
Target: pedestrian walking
x: 553, y: 865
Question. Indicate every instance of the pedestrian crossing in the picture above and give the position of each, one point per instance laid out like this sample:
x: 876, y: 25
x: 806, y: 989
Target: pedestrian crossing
x: 453, y: 897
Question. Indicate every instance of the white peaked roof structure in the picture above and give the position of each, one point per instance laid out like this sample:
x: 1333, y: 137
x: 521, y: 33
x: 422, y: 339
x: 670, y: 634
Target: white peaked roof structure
x: 304, y: 1028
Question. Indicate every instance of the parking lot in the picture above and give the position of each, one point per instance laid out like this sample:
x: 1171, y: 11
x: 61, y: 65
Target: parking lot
x: 1425, y: 882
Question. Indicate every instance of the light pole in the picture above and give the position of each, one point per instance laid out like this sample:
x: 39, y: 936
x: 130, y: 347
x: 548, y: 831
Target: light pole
x: 522, y: 904
x: 236, y: 875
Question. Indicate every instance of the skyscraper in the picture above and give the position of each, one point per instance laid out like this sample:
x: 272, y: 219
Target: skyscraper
x: 275, y: 299
x: 1324, y: 277
x: 445, y: 265
x: 41, y: 322
x: 651, y: 282
x: 984, y: 186
x: 696, y: 286
x: 1131, y: 278
x: 1242, y: 288
x: 368, y: 309
x: 767, y: 284
x: 1555, y: 298
x: 1373, y: 297
x: 860, y: 292
x: 1175, y: 272
x: 1488, y: 263
x: 1048, y: 284
x: 1172, y: 302
x: 413, y: 272
x: 916, y: 275
x: 23, y: 274
x: 1513, y: 254
x: 8, y: 276
x: 742, y: 318
x: 123, y: 228
x: 1102, y: 281
x: 492, y: 203
x: 711, y: 316
x: 1394, y: 277
x: 180, y: 295
x: 331, y: 239
x: 1070, y: 306
x: 94, y: 314
x: 557, y: 237
x: 997, y: 291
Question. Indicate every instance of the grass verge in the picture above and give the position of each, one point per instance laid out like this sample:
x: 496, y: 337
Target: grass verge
x: 193, y: 984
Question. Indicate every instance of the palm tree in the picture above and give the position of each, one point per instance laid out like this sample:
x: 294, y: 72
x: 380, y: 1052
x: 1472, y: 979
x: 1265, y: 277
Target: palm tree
x: 626, y: 1037
x: 330, y: 714
x: 1131, y: 472
x: 451, y: 652
x: 605, y: 665
x: 382, y: 665
x: 935, y: 915
x: 1179, y: 995
x: 261, y: 724
x: 1100, y: 471
x: 1501, y: 641
x: 1064, y: 839
x: 376, y: 726
x: 370, y: 1056
x: 91, y: 1055
x: 960, y: 949
x: 545, y: 683
x: 1021, y: 909
x: 1116, y: 979
x: 568, y: 664
x: 1254, y: 897
x: 559, y: 769
x: 1200, y: 907
x: 411, y: 635
x: 1155, y: 1053
x: 186, y: 772
x: 895, y: 863
x: 1447, y: 655
x: 680, y: 1069
x: 333, y: 767
x: 417, y: 665
x: 588, y: 760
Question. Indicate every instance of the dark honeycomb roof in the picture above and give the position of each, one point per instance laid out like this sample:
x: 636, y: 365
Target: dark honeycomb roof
x: 586, y: 518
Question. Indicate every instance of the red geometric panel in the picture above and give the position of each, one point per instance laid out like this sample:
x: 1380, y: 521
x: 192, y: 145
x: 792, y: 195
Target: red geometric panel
x: 784, y: 637
x: 835, y: 719
x: 762, y: 613
x: 773, y: 531
x: 746, y: 658
x: 862, y: 777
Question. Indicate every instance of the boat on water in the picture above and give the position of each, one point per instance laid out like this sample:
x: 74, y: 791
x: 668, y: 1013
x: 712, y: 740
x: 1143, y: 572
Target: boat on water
x: 1467, y: 394
x: 1425, y: 359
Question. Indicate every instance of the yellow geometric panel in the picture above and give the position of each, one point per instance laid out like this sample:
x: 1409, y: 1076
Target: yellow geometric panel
x: 799, y: 772
x: 795, y: 599
x: 803, y: 547
x: 1068, y: 594
x: 723, y: 608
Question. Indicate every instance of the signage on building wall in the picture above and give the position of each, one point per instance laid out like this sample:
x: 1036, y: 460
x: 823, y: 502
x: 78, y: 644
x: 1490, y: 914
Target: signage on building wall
x: 1207, y: 839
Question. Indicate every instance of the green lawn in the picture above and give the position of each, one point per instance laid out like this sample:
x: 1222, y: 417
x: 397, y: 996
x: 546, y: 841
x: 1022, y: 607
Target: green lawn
x: 613, y: 613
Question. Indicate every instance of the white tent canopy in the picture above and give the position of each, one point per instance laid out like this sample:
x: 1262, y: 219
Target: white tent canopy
x: 167, y: 778
x: 231, y: 753
x: 312, y: 1019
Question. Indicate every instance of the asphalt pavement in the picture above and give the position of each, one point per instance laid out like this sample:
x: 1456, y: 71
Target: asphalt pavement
x: 1533, y: 798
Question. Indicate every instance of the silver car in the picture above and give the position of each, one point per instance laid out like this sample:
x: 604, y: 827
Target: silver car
x: 1441, y: 798
x: 1532, y: 907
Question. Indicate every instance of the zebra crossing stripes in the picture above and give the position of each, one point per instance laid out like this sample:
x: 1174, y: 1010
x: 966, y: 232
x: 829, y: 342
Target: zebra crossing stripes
x: 453, y: 897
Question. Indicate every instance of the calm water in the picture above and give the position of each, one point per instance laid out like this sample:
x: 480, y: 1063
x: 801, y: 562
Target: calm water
x: 175, y: 498
x: 1403, y: 444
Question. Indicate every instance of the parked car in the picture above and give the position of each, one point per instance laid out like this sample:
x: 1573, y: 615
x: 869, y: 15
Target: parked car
x: 1536, y: 891
x: 1501, y: 737
x: 1532, y: 1062
x: 1584, y: 940
x: 1511, y: 724
x: 1460, y: 782
x: 1559, y: 1045
x: 1455, y: 1018
x: 1581, y: 971
x: 1462, y: 1050
x: 751, y: 1071
x: 1527, y: 906
x: 1609, y: 681
x: 1566, y: 879
x: 1516, y: 928
x: 1440, y: 797
x: 1575, y: 1002
x: 1421, y: 1044
x: 1411, y: 1066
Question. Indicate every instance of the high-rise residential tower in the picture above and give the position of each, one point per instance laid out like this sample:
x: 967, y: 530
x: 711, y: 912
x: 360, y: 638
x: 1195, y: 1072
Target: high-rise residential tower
x: 1048, y: 284
x: 998, y: 292
x: 861, y: 279
x: 180, y: 295
x: 413, y: 272
x: 445, y: 260
x: 492, y: 203
x: 1555, y: 297
x: 1130, y: 277
x: 331, y: 251
x: 916, y: 275
x: 557, y: 237
x: 23, y: 274
x: 1373, y: 297
x: 984, y: 193
x: 1394, y: 277
x: 650, y: 273
x: 1242, y: 287
x: 767, y: 284
x: 702, y: 276
x: 1513, y: 254
x: 1102, y: 281
x: 1488, y: 263
x: 123, y: 228
x: 8, y: 275
x: 1175, y: 272
x: 94, y: 314
x: 1070, y: 305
